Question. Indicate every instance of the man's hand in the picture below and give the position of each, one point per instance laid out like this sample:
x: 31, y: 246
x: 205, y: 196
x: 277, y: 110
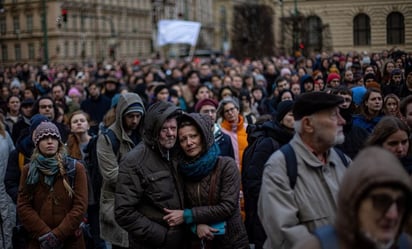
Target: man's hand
x: 173, y: 217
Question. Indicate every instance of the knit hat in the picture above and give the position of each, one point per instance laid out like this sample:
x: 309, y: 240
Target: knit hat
x: 357, y: 94
x: 204, y: 123
x: 283, y: 108
x: 203, y: 102
x: 284, y: 71
x: 35, y: 121
x: 74, y: 92
x: 332, y: 76
x: 15, y: 83
x: 306, y: 78
x: 312, y: 102
x: 27, y: 102
x: 135, y: 107
x: 45, y: 129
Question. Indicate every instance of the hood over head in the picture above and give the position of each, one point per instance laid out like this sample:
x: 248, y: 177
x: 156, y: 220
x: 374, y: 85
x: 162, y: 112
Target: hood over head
x: 204, y: 124
x: 156, y: 115
x: 127, y: 100
x: 373, y: 167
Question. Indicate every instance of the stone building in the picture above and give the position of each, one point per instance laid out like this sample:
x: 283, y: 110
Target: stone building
x: 75, y: 30
x: 328, y: 25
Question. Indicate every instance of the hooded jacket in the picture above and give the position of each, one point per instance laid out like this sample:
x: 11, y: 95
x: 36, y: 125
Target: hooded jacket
x: 109, y: 168
x: 373, y: 167
x: 225, y: 203
x: 148, y: 182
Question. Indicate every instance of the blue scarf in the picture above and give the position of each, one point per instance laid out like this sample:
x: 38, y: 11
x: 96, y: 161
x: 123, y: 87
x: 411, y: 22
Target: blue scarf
x: 202, y: 166
x: 48, y: 166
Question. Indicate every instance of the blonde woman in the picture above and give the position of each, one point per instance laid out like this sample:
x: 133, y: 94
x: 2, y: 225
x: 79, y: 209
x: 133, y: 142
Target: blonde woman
x: 52, y: 196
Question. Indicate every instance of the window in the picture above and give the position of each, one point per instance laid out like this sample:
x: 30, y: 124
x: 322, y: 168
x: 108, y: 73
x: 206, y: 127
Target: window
x: 29, y: 23
x: 361, y: 30
x: 17, y: 52
x: 395, y: 28
x: 75, y: 49
x: 3, y: 26
x: 31, y: 51
x: 314, y: 33
x: 16, y: 24
x: 4, y: 54
x: 66, y: 49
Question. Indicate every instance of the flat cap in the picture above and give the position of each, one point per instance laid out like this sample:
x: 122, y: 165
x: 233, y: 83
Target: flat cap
x: 309, y: 103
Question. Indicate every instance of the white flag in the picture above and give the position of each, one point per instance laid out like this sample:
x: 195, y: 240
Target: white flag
x: 176, y: 31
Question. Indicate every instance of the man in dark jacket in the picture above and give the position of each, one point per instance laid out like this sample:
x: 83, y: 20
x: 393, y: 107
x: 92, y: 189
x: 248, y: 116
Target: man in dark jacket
x: 148, y: 182
x: 96, y: 106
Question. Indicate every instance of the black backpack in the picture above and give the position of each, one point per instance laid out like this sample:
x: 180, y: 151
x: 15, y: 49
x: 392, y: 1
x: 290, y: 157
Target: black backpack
x: 92, y: 163
x: 292, y: 166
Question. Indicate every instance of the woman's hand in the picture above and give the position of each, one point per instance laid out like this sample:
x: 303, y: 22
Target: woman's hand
x: 173, y: 217
x: 205, y: 232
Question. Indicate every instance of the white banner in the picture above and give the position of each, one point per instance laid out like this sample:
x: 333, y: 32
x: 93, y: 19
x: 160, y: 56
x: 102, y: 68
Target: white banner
x: 176, y: 31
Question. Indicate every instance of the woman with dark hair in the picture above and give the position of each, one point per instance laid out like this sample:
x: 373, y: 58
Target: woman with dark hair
x: 212, y: 185
x: 393, y: 134
x: 226, y: 91
x: 370, y: 110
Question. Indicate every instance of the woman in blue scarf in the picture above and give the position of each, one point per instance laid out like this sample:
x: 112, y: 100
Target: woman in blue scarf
x: 52, y: 198
x: 212, y: 186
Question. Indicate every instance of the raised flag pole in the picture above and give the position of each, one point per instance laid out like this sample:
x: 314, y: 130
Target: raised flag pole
x: 191, y: 52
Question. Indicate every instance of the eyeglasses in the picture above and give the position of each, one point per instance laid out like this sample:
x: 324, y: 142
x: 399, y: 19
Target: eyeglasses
x: 46, y: 106
x: 382, y: 202
x: 230, y: 110
x: 347, y: 100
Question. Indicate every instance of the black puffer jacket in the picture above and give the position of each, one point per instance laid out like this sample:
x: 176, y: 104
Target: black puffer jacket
x: 148, y: 182
x: 224, y: 205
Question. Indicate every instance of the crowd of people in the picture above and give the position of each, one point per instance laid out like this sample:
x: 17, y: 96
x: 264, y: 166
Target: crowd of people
x: 277, y: 152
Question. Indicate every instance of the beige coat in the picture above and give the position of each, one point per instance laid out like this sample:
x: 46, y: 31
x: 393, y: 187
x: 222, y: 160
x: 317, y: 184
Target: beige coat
x: 289, y: 214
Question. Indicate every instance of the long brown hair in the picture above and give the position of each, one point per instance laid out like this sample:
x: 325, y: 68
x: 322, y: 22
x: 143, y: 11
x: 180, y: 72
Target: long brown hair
x: 73, y: 145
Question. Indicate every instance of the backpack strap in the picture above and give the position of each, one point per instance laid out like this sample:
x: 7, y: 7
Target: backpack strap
x: 71, y: 170
x: 291, y: 164
x: 113, y: 140
x: 327, y: 237
x: 342, y: 156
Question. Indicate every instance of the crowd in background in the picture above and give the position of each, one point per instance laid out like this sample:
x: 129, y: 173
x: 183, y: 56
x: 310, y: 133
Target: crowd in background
x: 238, y: 95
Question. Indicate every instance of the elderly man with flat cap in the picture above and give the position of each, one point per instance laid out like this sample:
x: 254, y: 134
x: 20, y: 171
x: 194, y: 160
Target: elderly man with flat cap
x: 297, y: 196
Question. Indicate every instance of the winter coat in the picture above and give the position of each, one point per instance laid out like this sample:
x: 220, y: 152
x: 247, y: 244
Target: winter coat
x: 368, y: 125
x: 224, y: 205
x: 41, y: 210
x: 148, y: 182
x: 109, y: 168
x: 12, y: 179
x: 7, y: 207
x: 289, y: 214
x: 358, y: 181
x: 272, y: 137
x: 96, y: 108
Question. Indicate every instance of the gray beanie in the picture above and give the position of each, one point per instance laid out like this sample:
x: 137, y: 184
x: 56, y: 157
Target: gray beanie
x: 45, y: 129
x: 226, y: 101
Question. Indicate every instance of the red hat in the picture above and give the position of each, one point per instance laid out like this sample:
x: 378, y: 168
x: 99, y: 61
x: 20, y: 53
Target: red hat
x: 332, y: 76
x: 203, y: 102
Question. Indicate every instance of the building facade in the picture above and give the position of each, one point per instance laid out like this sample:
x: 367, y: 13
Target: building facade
x: 326, y: 25
x: 40, y: 31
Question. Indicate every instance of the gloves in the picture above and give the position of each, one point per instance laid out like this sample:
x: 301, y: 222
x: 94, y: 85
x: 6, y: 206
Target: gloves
x: 50, y: 241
